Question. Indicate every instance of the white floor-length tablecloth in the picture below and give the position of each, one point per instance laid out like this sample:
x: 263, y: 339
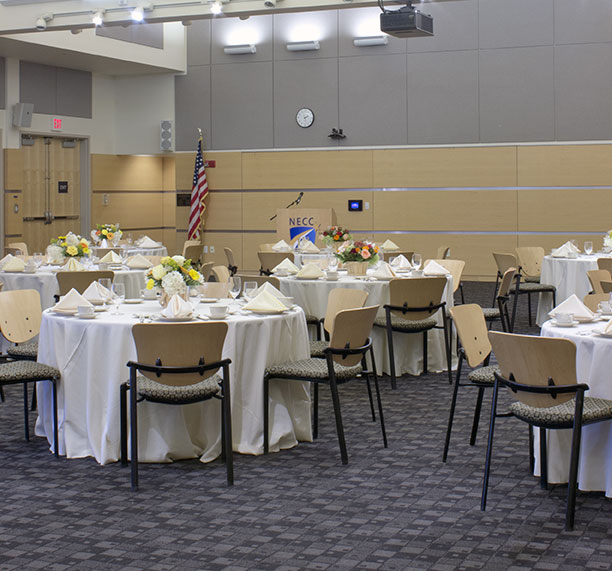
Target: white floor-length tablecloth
x: 594, y: 367
x: 312, y: 295
x: 133, y: 250
x: 92, y: 356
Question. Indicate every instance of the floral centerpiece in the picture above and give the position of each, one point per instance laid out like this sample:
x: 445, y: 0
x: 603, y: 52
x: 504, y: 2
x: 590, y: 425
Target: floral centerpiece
x: 607, y: 241
x: 173, y: 275
x: 335, y: 235
x: 356, y: 256
x: 106, y: 232
x: 68, y: 246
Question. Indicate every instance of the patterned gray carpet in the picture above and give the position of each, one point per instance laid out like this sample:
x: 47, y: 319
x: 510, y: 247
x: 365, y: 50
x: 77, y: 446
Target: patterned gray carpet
x: 395, y: 508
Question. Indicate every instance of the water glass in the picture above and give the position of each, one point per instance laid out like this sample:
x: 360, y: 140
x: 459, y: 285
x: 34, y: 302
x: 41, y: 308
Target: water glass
x: 194, y: 295
x: 332, y: 264
x: 108, y: 284
x: 235, y: 286
x: 119, y: 295
x: 38, y: 259
x: 417, y: 260
x: 249, y: 290
x: 588, y: 248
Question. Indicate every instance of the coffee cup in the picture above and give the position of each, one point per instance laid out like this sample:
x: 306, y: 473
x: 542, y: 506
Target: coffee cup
x: 332, y: 276
x: 564, y: 317
x: 572, y: 255
x: 605, y: 307
x: 85, y: 310
x: 281, y: 273
x: 102, y: 265
x: 29, y: 268
x: 218, y: 310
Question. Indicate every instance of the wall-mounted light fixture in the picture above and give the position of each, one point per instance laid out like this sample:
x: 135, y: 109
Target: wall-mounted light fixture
x: 41, y: 22
x: 98, y: 17
x: 368, y: 41
x: 240, y: 49
x: 138, y: 13
x: 303, y: 46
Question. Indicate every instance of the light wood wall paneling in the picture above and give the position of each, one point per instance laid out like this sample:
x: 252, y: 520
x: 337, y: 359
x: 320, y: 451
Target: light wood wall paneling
x: 130, y: 209
x: 565, y: 209
x: 220, y: 240
x: 116, y: 173
x: 223, y: 211
x: 552, y: 241
x: 65, y: 165
x: 13, y: 221
x: 565, y: 165
x: 227, y: 173
x: 307, y: 169
x: 34, y: 179
x: 444, y: 167
x: 169, y: 209
x: 169, y: 173
x: 250, y: 246
x: 448, y: 210
x: 13, y: 169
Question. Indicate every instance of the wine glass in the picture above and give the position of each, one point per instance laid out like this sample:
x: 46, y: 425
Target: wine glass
x: 249, y: 290
x: 119, y: 295
x: 417, y: 260
x: 106, y: 283
x: 116, y: 238
x: 38, y: 259
x: 194, y: 295
x: 332, y: 266
x: 235, y: 286
x: 588, y: 248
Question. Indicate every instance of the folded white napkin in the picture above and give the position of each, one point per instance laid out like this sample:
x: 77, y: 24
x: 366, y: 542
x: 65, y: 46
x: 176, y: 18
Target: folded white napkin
x: 72, y: 265
x: 146, y: 242
x: 6, y: 259
x: 281, y: 246
x: 267, y: 286
x: 384, y: 271
x: 265, y: 301
x: 608, y: 327
x: 565, y: 250
x: 177, y: 308
x: 139, y: 262
x: 573, y: 305
x: 97, y: 294
x: 401, y: 263
x: 287, y: 265
x: 573, y: 246
x: 310, y: 248
x: 434, y: 269
x: 71, y: 301
x: 389, y: 246
x: 310, y: 271
x: 14, y: 265
x: 111, y: 258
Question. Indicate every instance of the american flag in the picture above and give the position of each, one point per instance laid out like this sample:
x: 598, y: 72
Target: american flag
x: 199, y: 190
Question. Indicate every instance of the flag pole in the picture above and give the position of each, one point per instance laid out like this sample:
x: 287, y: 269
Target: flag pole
x: 203, y: 207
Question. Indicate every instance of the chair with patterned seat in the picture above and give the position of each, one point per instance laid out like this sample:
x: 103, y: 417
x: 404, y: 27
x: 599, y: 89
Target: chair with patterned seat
x: 605, y: 264
x: 541, y: 375
x: 231, y: 264
x: 386, y: 256
x: 195, y: 253
x: 177, y: 364
x: 345, y: 359
x: 80, y: 280
x: 592, y: 300
x: 269, y: 260
x: 221, y: 274
x: 595, y: 278
x: 530, y: 267
x: 501, y: 312
x: 413, y: 306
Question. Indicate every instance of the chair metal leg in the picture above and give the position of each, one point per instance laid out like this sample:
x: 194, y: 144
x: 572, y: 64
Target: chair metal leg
x: 451, y: 414
x: 529, y: 309
x: 34, y: 400
x: 227, y: 419
x: 380, y: 409
x: 315, y: 414
x: 266, y: 420
x: 485, y: 482
x: 575, y: 457
x: 476, y: 420
x: 26, y: 408
x: 531, y: 451
x: 448, y: 330
x: 2, y: 397
x: 55, y: 427
x: 367, y: 378
x: 391, y: 354
x: 123, y: 422
x: 223, y: 435
x: 134, y: 430
x: 495, y: 290
x: 425, y: 368
x: 543, y: 460
x: 338, y: 414
x: 461, y: 291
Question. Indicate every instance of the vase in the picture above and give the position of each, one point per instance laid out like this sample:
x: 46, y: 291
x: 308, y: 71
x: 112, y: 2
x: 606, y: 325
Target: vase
x: 356, y: 268
x: 164, y: 298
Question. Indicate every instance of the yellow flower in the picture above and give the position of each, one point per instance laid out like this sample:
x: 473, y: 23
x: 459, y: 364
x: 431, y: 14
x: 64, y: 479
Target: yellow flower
x: 64, y: 244
x: 165, y: 260
x: 72, y: 250
x: 85, y: 250
x: 193, y: 274
x: 105, y: 231
x: 150, y: 284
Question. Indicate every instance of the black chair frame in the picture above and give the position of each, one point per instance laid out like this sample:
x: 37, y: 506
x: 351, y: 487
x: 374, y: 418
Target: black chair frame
x: 159, y: 369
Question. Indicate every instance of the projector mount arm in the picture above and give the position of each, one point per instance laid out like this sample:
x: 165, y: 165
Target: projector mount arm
x: 408, y: 8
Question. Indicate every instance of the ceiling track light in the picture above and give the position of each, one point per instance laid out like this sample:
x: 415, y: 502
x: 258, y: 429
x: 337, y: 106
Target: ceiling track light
x: 303, y: 46
x: 138, y: 13
x: 368, y: 41
x: 98, y: 17
x: 240, y: 49
x: 41, y: 22
x: 215, y: 8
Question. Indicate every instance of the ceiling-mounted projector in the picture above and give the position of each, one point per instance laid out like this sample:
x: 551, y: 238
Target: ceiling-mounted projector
x: 405, y: 22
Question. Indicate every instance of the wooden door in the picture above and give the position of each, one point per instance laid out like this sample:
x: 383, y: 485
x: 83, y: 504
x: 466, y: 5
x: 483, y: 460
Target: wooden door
x: 51, y: 190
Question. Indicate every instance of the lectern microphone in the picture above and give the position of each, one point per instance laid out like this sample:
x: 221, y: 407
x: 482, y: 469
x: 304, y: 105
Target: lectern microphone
x: 294, y: 203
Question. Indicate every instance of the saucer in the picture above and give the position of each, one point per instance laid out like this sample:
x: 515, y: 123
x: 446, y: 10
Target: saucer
x: 568, y: 324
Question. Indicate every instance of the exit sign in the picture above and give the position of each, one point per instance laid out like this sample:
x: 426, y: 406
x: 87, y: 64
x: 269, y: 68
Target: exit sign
x: 56, y: 124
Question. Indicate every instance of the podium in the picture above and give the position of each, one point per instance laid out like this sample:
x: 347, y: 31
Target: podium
x: 294, y: 223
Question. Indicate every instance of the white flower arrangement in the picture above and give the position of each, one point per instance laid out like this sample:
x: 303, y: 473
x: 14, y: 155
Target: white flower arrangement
x: 173, y: 283
x: 607, y: 241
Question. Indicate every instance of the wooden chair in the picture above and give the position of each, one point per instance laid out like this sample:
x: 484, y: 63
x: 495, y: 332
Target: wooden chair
x: 21, y: 315
x: 231, y: 264
x: 503, y: 261
x: 606, y: 287
x: 176, y: 365
x: 530, y: 263
x: 443, y: 252
x: 345, y: 359
x: 412, y: 310
x: 219, y: 290
x: 605, y: 264
x: 596, y: 277
x: 155, y: 260
x: 80, y: 280
x: 455, y: 267
x: 386, y: 256
x: 12, y: 251
x: 21, y: 246
x: 188, y: 243
x: 541, y: 375
x: 195, y: 253
x: 266, y: 248
x: 206, y: 270
x: 221, y: 274
x: 269, y: 260
x: 475, y: 348
x: 501, y: 312
x: 592, y: 300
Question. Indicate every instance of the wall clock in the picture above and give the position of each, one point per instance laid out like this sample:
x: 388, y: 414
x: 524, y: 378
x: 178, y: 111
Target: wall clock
x: 304, y: 117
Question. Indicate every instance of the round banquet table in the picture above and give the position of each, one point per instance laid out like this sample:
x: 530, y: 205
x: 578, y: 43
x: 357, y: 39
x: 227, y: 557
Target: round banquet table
x: 593, y: 367
x: 45, y: 282
x: 312, y: 295
x: 160, y: 250
x: 92, y: 355
x: 569, y: 276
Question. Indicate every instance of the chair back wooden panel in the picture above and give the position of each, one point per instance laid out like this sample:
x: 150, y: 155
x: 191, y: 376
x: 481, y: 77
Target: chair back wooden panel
x: 22, y: 246
x: 229, y: 255
x: 352, y: 327
x: 155, y: 260
x: 506, y: 282
x: 80, y: 280
x: 179, y: 345
x: 605, y: 264
x: 13, y: 251
x: 416, y: 292
x: 606, y: 287
x: 214, y: 289
x: 388, y: 255
x: 533, y: 361
x: 221, y: 274
x: 269, y: 260
x: 473, y: 333
x: 340, y: 299
x: 20, y: 314
x: 592, y: 300
x: 194, y: 252
x: 261, y: 280
x: 455, y: 267
x: 188, y: 243
x: 206, y: 270
x: 101, y: 252
x: 266, y: 248
x: 504, y: 261
x: 596, y: 277
x: 443, y: 252
x: 530, y: 260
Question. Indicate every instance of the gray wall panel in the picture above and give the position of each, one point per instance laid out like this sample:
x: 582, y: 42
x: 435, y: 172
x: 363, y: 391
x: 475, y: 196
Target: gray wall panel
x: 151, y: 35
x: 516, y: 94
x: 309, y: 83
x: 242, y: 105
x: 198, y: 43
x: 373, y: 100
x: 233, y: 31
x: 503, y: 24
x: 583, y: 22
x: 38, y: 85
x: 583, y: 91
x: 322, y: 26
x: 192, y: 108
x: 2, y: 84
x: 73, y: 92
x: 360, y: 22
x: 443, y: 97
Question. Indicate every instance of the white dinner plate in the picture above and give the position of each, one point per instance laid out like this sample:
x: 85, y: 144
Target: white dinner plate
x: 267, y: 311
x: 64, y: 311
x: 132, y: 300
x: 175, y: 319
x: 569, y: 324
x: 209, y: 300
x: 602, y: 333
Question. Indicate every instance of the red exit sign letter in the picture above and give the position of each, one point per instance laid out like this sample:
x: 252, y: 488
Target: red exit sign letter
x: 56, y: 124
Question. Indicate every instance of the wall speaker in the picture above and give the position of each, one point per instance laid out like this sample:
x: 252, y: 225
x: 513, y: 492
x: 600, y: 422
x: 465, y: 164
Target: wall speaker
x: 166, y: 143
x: 22, y: 114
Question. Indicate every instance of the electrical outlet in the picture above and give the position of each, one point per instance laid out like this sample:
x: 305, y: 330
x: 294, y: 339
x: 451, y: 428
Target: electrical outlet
x: 105, y: 200
x: 206, y: 249
x: 212, y: 249
x: 367, y: 206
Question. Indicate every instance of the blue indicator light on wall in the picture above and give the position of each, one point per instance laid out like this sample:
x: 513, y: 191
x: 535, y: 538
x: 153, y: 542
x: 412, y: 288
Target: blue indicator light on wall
x: 355, y: 205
